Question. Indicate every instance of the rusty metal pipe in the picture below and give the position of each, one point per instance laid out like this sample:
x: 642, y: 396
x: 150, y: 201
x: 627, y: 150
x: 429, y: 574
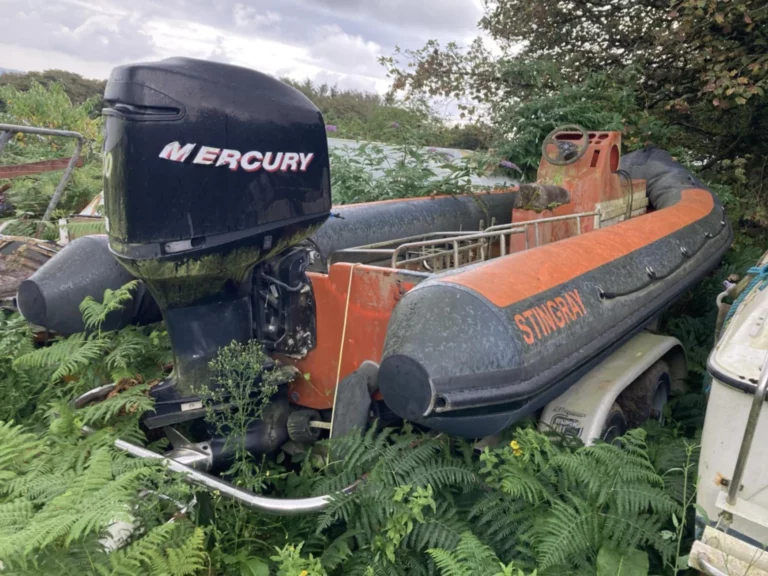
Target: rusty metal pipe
x: 7, y: 131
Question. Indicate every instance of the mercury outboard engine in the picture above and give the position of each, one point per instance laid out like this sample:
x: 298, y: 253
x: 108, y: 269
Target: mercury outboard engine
x: 213, y: 174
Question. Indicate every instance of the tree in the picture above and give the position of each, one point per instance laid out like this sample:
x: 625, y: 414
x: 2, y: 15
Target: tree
x: 693, y: 72
x: 78, y: 89
x: 367, y: 116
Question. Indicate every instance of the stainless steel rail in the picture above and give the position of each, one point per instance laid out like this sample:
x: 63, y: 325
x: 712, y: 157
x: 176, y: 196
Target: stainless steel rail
x: 276, y: 506
x: 442, y: 250
x: 749, y: 434
x: 482, y: 241
x: 706, y: 568
x: 535, y: 223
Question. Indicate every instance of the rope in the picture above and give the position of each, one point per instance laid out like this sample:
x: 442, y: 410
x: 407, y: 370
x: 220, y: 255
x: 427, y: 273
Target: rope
x: 761, y: 277
x: 343, y: 338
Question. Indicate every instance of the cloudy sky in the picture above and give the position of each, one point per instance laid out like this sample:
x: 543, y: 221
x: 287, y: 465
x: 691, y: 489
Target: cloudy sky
x: 333, y: 41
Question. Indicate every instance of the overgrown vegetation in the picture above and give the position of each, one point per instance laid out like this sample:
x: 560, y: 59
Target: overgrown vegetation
x: 365, y: 116
x: 688, y: 76
x: 409, y: 166
x: 26, y: 197
x: 428, y: 505
x: 78, y: 89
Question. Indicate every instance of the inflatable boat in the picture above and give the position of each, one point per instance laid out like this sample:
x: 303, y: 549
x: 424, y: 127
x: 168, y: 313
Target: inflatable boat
x: 461, y: 313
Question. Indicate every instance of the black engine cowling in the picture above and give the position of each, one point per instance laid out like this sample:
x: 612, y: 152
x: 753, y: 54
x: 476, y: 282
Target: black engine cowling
x: 209, y: 169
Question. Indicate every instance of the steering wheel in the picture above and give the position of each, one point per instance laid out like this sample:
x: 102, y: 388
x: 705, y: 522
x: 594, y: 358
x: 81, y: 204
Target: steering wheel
x: 565, y: 151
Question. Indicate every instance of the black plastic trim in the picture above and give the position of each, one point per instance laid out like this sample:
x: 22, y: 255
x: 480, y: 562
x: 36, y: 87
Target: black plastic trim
x: 743, y: 385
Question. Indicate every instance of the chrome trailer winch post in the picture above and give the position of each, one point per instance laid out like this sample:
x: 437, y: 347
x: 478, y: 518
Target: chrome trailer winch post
x: 276, y: 506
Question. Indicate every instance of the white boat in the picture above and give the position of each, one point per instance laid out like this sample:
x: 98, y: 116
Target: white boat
x: 732, y: 493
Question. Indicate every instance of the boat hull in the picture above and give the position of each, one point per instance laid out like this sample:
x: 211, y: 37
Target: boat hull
x: 472, y: 352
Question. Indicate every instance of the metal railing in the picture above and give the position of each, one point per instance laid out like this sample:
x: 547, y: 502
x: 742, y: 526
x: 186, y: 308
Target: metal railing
x: 445, y: 250
x: 382, y: 251
x: 8, y: 131
x: 458, y: 254
x: 749, y: 434
x: 536, y: 223
x: 706, y: 568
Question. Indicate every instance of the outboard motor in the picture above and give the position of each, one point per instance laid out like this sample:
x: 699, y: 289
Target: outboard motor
x: 213, y: 174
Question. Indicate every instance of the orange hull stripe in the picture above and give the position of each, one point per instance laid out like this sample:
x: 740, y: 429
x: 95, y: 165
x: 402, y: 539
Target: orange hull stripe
x: 505, y: 281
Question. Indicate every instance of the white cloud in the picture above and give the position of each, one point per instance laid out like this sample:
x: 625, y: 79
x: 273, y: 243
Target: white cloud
x: 72, y: 29
x: 248, y: 16
x: 341, y: 52
x: 428, y: 17
x: 328, y: 41
x: 349, y: 81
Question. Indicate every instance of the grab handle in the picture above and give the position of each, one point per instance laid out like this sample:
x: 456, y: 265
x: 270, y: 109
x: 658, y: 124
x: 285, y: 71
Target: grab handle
x: 749, y: 434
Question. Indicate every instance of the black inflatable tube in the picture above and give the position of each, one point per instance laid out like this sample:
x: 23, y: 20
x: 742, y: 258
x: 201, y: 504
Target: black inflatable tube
x: 52, y: 296
x: 361, y: 224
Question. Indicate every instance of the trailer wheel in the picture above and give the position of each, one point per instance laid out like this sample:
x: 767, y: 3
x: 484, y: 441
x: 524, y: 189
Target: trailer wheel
x: 646, y: 397
x: 615, y: 424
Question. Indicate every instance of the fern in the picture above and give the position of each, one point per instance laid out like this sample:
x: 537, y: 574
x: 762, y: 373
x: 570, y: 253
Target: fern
x: 570, y: 530
x: 175, y: 549
x: 77, y: 229
x: 470, y: 557
x: 504, y: 522
x: 95, y: 312
x: 21, y: 387
x: 537, y: 503
x: 91, y: 359
x: 17, y: 446
x: 134, y: 400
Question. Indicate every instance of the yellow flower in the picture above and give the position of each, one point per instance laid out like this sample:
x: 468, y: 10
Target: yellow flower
x: 517, y: 452
x: 303, y: 573
x: 515, y: 445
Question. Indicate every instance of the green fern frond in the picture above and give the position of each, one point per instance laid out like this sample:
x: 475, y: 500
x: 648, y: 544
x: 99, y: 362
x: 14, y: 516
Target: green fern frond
x: 77, y: 229
x: 442, y: 529
x: 134, y: 400
x: 169, y: 550
x: 443, y: 472
x: 633, y: 531
x: 67, y: 355
x: 95, y: 313
x: 503, y: 521
x: 633, y: 498
x: 520, y: 483
x: 40, y: 486
x: 16, y: 447
x: 448, y: 563
x: 88, y: 353
x: 338, y: 551
x: 471, y: 557
x: 570, y: 530
x: 50, y: 356
x: 14, y: 515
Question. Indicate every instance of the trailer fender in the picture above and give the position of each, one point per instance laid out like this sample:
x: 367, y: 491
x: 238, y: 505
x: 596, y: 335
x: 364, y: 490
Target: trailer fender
x: 583, y: 409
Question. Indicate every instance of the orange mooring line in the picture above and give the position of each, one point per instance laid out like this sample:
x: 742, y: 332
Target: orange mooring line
x: 341, y: 346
